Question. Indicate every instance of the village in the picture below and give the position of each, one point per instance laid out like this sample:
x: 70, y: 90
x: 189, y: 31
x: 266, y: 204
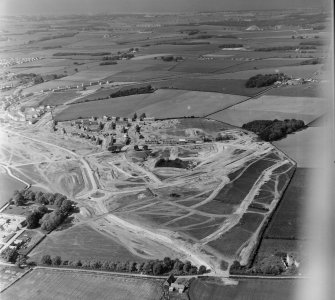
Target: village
x: 117, y: 134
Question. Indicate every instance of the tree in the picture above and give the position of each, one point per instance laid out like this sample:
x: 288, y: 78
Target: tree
x: 66, y: 207
x: 10, y: 255
x: 132, y: 266
x: 33, y: 220
x: 142, y: 116
x: 178, y: 265
x: 147, y: 268
x: 18, y: 198
x: 77, y: 263
x: 57, y: 261
x: 135, y: 116
x: 202, y: 270
x: 29, y: 195
x: 105, y: 265
x: 168, y: 264
x: 21, y: 260
x: 139, y: 267
x: 187, y: 267
x: 157, y: 268
x: 59, y: 198
x: 46, y: 260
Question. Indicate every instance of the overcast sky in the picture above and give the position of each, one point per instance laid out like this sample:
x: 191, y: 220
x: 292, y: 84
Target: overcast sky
x: 19, y: 7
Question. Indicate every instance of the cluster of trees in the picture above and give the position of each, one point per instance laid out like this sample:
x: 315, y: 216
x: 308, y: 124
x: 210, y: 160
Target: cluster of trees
x: 314, y: 61
x: 284, y: 48
x: 22, y: 197
x: 175, y: 163
x: 152, y: 267
x: 172, y: 58
x: 266, y: 269
x: 40, y: 215
x: 133, y: 91
x: 261, y: 80
x: 58, y: 36
x: 119, y: 56
x: 49, y: 221
x: 110, y: 62
x: 231, y: 46
x: 10, y: 255
x: 142, y: 116
x: 81, y: 53
x: 36, y: 79
x: 269, y: 130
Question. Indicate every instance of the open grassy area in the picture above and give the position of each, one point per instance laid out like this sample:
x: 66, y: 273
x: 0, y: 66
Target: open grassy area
x: 7, y: 187
x: 251, y: 289
x: 269, y: 107
x: 288, y: 220
x: 160, y: 104
x: 59, y: 98
x: 8, y: 274
x: 61, y: 284
x: 302, y: 146
x: 227, y: 86
x: 82, y: 242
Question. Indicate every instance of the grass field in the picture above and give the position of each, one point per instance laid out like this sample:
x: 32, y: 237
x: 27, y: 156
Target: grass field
x: 82, y: 242
x: 160, y: 104
x: 60, y: 284
x: 229, y: 243
x: 296, y: 71
x: 8, y: 274
x: 288, y: 220
x: 203, y: 66
x: 273, y: 107
x: 59, y: 98
x: 227, y: 86
x: 298, y: 105
x: 302, y: 146
x: 246, y: 289
x: 7, y: 187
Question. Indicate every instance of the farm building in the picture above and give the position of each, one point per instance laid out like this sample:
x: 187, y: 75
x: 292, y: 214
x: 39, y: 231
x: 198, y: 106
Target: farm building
x: 171, y: 279
x: 180, y: 285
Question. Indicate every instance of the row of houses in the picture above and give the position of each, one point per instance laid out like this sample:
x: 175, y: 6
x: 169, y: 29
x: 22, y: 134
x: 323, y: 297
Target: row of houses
x: 171, y: 141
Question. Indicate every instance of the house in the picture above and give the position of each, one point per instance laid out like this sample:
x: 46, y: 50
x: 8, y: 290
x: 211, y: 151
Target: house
x: 180, y: 285
x: 171, y: 279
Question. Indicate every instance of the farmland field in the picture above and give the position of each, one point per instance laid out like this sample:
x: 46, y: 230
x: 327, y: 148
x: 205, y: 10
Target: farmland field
x: 251, y: 289
x: 82, y: 242
x: 288, y: 220
x: 59, y: 98
x: 227, y: 86
x: 301, y: 146
x: 160, y: 104
x: 273, y: 107
x: 60, y: 284
x: 7, y: 187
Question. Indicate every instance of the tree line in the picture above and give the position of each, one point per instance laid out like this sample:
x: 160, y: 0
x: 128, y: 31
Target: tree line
x: 261, y: 80
x: 274, y: 130
x: 151, y: 267
x: 285, y: 48
x: 231, y: 46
